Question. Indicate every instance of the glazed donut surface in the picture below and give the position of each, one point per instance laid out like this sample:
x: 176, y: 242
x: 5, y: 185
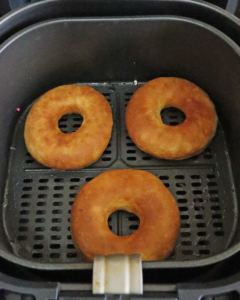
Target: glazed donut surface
x: 151, y: 135
x: 55, y: 149
x: 135, y: 191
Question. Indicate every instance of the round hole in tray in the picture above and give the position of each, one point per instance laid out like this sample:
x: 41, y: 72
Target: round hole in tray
x: 130, y: 222
x: 172, y: 116
x: 70, y: 123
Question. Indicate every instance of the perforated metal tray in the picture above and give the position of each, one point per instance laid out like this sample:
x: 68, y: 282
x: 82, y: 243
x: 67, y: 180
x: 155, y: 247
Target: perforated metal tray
x: 39, y: 199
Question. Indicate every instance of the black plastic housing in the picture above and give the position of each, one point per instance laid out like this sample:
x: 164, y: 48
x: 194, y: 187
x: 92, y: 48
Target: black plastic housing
x: 199, y: 11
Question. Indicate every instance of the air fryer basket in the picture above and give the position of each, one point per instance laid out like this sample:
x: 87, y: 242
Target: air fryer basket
x: 110, y: 54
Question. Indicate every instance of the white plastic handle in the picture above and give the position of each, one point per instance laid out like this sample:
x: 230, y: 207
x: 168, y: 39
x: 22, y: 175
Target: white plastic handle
x: 117, y: 274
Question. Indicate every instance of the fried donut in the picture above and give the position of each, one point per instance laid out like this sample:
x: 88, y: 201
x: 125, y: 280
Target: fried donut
x: 137, y: 192
x: 151, y: 135
x: 57, y: 150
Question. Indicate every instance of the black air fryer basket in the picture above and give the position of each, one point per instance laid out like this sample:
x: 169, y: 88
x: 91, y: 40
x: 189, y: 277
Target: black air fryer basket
x: 99, y: 45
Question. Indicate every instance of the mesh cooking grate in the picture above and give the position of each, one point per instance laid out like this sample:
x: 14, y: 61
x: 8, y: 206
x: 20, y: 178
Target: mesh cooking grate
x: 40, y: 199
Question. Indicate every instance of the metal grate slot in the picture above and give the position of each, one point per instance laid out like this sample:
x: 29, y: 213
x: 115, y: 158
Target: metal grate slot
x: 172, y: 116
x: 70, y: 123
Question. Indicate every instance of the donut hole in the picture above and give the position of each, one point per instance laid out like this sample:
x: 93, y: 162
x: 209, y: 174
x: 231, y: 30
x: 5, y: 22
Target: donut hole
x: 70, y: 123
x: 123, y: 223
x: 172, y: 116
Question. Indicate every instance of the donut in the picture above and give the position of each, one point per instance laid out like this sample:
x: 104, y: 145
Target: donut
x: 57, y: 150
x: 151, y: 135
x: 135, y: 191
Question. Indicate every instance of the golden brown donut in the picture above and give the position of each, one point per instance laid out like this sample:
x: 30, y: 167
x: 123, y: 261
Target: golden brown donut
x: 135, y: 191
x: 151, y: 135
x: 55, y: 149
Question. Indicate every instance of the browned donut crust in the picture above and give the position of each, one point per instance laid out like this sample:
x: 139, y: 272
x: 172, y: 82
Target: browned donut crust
x: 135, y: 191
x: 151, y: 135
x: 55, y: 149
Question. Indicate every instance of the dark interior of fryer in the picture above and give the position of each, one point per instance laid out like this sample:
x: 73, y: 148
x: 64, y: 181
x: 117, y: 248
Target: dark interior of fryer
x: 105, y: 51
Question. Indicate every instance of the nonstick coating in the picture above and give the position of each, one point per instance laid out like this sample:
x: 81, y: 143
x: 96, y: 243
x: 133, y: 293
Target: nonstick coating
x: 113, y: 53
